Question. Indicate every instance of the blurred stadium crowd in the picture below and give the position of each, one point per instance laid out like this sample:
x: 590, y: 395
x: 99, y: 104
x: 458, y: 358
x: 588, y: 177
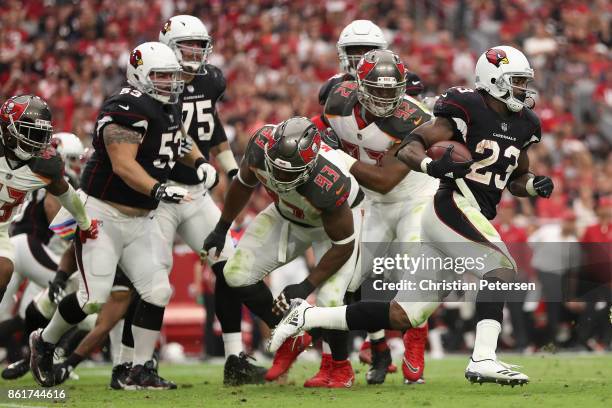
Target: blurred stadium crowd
x: 276, y: 54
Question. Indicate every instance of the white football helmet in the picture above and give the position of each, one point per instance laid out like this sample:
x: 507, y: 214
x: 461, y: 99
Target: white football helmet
x: 359, y: 33
x: 71, y: 150
x: 154, y: 69
x: 495, y: 72
x: 187, y: 28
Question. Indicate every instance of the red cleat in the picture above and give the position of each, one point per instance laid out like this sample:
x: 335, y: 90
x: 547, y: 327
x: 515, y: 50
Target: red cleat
x: 286, y: 355
x: 342, y: 375
x: 321, y: 378
x: 413, y: 364
x: 365, y: 357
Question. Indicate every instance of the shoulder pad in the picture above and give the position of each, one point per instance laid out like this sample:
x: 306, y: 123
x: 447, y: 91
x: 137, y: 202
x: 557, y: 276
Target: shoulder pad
x: 49, y: 165
x: 126, y: 109
x: 414, y: 85
x: 341, y: 99
x: 330, y: 84
x: 255, y: 149
x: 407, y: 117
x: 458, y: 102
x: 328, y: 187
x: 536, y: 136
x: 216, y: 75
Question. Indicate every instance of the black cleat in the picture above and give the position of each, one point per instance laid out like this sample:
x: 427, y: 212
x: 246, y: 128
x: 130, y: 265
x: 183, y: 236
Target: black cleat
x: 119, y: 376
x: 145, y: 377
x: 61, y: 372
x: 380, y: 366
x: 239, y: 371
x: 16, y: 370
x: 41, y: 359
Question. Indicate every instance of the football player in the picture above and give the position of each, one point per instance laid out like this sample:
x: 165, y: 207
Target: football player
x: 27, y: 163
x: 136, y: 141
x: 495, y: 122
x: 315, y: 204
x: 193, y: 221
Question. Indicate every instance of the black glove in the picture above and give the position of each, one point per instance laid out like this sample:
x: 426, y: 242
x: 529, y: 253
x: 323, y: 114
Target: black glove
x: 445, y: 167
x: 216, y: 239
x: 543, y: 186
x: 330, y: 138
x: 57, y: 286
x: 296, y: 291
x: 169, y: 194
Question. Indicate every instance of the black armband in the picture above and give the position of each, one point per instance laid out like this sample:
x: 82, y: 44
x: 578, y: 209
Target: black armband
x: 232, y: 173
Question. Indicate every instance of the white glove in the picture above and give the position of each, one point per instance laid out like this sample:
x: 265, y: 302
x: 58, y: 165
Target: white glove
x: 186, y: 146
x: 208, y: 175
x: 171, y: 194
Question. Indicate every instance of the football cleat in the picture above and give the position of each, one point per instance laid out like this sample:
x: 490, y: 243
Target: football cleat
x: 322, y: 377
x: 119, y: 375
x: 286, y: 356
x: 381, y: 360
x: 494, y: 371
x: 61, y: 372
x: 145, y: 377
x: 239, y: 371
x: 16, y: 370
x: 41, y: 359
x: 290, y: 326
x: 342, y: 375
x: 413, y: 364
x: 365, y: 356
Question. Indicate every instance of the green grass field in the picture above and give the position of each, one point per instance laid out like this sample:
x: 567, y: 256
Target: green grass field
x: 557, y: 381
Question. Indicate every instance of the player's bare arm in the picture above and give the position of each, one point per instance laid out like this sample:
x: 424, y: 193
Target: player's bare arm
x: 338, y: 224
x: 52, y: 206
x: 523, y: 183
x: 225, y: 158
x: 384, y: 178
x: 122, y: 146
x: 412, y: 150
x: 237, y: 197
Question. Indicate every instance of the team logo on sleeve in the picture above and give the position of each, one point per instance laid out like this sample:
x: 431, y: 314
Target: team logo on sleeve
x: 136, y: 58
x: 166, y: 27
x: 497, y: 57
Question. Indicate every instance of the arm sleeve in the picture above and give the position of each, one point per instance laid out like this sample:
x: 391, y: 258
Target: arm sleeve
x: 72, y: 202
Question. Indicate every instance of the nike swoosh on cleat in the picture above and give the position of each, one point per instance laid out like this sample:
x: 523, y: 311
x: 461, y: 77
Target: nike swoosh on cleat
x: 126, y: 107
x: 410, y: 367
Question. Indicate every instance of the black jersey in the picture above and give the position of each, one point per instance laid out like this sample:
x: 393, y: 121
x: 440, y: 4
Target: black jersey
x: 201, y: 119
x: 328, y: 187
x: 159, y: 126
x: 494, y: 142
x: 414, y: 85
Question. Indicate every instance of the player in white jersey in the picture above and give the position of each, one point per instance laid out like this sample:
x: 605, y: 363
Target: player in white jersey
x: 27, y: 163
x: 315, y: 205
x: 371, y: 116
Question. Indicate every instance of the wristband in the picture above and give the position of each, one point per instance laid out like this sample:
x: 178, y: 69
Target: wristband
x: 222, y: 226
x: 232, y: 173
x: 227, y: 161
x: 529, y: 187
x: 199, y: 161
x: 155, y: 189
x: 424, y: 164
x: 244, y: 183
x: 306, y: 287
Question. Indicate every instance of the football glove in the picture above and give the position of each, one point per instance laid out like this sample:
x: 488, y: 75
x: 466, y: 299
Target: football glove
x: 330, y: 138
x: 445, y: 167
x: 91, y: 233
x: 186, y: 146
x: 216, y: 239
x: 207, y: 174
x: 543, y: 186
x: 57, y: 287
x: 170, y: 194
x: 297, y: 291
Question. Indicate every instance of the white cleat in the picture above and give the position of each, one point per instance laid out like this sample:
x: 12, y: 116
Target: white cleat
x: 494, y: 371
x: 290, y: 326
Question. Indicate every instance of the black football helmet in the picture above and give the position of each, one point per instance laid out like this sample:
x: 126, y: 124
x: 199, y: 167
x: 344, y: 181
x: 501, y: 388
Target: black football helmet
x: 291, y: 153
x: 381, y: 77
x: 25, y: 126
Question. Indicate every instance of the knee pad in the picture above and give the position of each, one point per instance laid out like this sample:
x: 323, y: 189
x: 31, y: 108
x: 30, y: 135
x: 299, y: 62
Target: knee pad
x: 330, y: 296
x: 89, y: 323
x: 159, y: 296
x: 236, y: 270
x: 92, y: 307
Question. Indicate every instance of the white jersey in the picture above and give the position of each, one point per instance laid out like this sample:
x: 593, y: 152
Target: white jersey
x: 368, y: 143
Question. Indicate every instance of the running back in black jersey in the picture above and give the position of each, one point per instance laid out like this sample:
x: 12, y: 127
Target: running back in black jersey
x: 159, y: 126
x: 494, y: 142
x: 200, y: 118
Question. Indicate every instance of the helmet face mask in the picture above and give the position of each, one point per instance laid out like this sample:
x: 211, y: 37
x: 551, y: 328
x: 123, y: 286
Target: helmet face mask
x: 381, y: 79
x: 26, y: 130
x: 193, y: 57
x: 351, y: 54
x: 167, y: 85
x: 291, y: 153
x: 188, y: 37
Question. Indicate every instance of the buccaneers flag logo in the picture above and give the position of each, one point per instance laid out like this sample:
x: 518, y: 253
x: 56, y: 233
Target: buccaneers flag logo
x: 166, y: 27
x: 136, y: 58
x: 497, y: 57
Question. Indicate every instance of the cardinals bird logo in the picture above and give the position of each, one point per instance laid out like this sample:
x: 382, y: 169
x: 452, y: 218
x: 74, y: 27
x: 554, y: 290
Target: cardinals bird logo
x: 497, y: 57
x: 166, y: 27
x: 136, y: 58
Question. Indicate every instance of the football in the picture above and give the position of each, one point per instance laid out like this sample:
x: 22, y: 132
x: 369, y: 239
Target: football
x: 460, y: 152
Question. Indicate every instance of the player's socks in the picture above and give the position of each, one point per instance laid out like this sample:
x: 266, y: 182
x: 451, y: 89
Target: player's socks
x: 232, y: 343
x: 33, y: 319
x: 487, y: 332
x: 326, y: 318
x: 376, y: 336
x: 68, y: 314
x: 126, y: 354
x: 370, y: 316
x: 73, y: 361
x: 259, y: 300
x: 147, y: 323
x: 338, y: 344
x: 115, y: 341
